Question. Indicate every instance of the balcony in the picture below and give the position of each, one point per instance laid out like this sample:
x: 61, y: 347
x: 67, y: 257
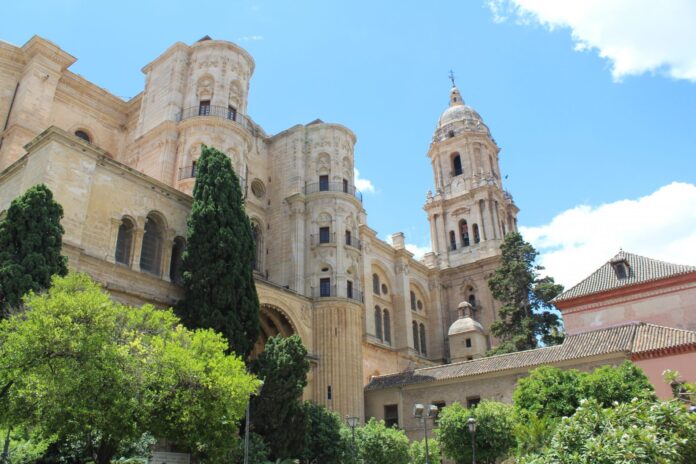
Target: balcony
x: 322, y: 239
x: 333, y: 187
x: 353, y: 242
x: 214, y: 111
x: 330, y: 291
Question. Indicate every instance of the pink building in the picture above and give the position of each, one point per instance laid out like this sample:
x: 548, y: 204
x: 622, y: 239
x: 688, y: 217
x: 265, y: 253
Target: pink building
x: 631, y: 288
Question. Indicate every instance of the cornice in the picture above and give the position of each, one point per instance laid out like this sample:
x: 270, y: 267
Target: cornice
x: 40, y: 46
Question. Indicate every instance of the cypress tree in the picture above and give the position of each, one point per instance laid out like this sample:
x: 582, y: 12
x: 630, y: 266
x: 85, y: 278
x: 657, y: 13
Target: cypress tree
x: 31, y: 238
x: 218, y: 262
x: 525, y: 315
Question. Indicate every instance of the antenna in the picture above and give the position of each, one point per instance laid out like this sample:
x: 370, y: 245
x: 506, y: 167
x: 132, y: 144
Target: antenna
x: 451, y: 76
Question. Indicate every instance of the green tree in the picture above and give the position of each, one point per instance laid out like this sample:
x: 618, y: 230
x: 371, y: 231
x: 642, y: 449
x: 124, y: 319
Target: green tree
x: 92, y: 372
x: 31, y: 238
x: 378, y: 444
x: 609, y: 384
x: 416, y: 451
x: 494, y: 432
x: 525, y: 299
x: 258, y: 450
x: 277, y: 413
x: 323, y: 442
x: 548, y: 392
x: 218, y: 262
x: 635, y: 432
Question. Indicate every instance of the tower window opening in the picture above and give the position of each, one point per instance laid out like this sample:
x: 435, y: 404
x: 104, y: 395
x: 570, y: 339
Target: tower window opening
x: 375, y: 284
x: 204, y: 108
x: 387, y: 327
x: 453, y: 241
x: 472, y: 301
x: 414, y: 327
x: 83, y: 135
x: 349, y: 289
x: 468, y: 343
x: 464, y: 233
x: 413, y: 301
x: 231, y: 113
x: 325, y: 286
x: 378, y: 323
x: 423, y: 349
x: 450, y: 134
x: 345, y: 185
x: 457, y: 165
x: 477, y: 236
x: 323, y: 183
x: 324, y: 235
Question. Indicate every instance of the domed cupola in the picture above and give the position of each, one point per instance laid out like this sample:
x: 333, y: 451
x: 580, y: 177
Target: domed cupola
x: 457, y: 118
x: 467, y: 338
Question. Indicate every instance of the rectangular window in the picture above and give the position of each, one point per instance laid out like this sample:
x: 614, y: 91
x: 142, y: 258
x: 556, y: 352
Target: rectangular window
x: 328, y: 393
x: 193, y: 169
x: 391, y: 415
x: 349, y: 289
x: 232, y: 113
x: 468, y: 343
x: 472, y: 401
x: 323, y: 183
x: 325, y: 286
x: 440, y: 406
x: 324, y: 235
x: 204, y: 108
x: 348, y: 237
x: 345, y: 185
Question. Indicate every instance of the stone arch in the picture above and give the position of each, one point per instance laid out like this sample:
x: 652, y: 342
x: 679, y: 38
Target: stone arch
x: 154, y: 237
x: 258, y: 236
x: 420, y: 296
x: 273, y: 321
x: 323, y: 164
x: 235, y: 96
x: 385, y: 278
x: 205, y: 87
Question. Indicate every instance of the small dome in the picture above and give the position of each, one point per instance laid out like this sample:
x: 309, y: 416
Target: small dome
x: 458, y: 117
x: 464, y: 325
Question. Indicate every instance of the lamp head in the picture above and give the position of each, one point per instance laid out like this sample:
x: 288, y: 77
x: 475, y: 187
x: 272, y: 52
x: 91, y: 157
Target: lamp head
x: 432, y: 410
x: 352, y: 421
x: 418, y: 410
x: 471, y: 423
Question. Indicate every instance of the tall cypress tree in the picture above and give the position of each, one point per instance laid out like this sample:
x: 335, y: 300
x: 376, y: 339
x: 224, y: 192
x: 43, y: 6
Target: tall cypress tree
x: 525, y: 316
x: 218, y: 262
x: 31, y: 238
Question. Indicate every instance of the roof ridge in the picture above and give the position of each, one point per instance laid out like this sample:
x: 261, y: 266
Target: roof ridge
x: 609, y: 327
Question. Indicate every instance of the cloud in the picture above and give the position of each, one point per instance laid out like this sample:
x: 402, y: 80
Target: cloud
x: 576, y: 242
x: 250, y: 38
x: 417, y: 250
x: 364, y: 185
x: 636, y: 36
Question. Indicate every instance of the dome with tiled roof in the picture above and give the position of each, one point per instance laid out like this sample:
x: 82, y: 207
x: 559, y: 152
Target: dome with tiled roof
x: 459, y: 117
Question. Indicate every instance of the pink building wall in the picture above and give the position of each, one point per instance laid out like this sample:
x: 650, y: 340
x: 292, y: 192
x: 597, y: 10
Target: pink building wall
x: 685, y: 363
x: 671, y: 306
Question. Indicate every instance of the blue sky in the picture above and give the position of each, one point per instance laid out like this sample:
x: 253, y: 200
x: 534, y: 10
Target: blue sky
x: 579, y: 130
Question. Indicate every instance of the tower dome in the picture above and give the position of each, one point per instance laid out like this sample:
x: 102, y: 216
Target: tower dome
x: 459, y: 117
x: 467, y: 339
x: 465, y: 323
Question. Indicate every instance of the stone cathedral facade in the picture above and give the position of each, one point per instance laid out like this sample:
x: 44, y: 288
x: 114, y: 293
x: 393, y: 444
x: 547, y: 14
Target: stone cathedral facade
x: 124, y: 172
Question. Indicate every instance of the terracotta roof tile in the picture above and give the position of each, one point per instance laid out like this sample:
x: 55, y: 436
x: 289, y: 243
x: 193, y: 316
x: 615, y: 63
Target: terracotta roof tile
x: 640, y: 269
x: 631, y: 338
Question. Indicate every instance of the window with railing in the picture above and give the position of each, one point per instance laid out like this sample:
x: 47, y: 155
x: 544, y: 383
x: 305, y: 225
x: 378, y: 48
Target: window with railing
x: 232, y: 113
x: 349, y: 289
x: 324, y: 235
x: 323, y: 183
x: 325, y: 286
x: 204, y: 108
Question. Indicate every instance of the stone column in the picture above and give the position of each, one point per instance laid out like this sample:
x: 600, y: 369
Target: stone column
x: 110, y: 254
x: 167, y: 254
x: 492, y: 214
x: 138, y: 242
x: 297, y: 238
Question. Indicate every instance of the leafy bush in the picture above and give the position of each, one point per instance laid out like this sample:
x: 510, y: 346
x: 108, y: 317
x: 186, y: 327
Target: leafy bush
x: 377, y: 444
x: 417, y: 451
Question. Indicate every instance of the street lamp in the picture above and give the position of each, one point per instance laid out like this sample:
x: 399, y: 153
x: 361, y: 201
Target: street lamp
x: 471, y: 423
x: 424, y: 413
x: 246, y: 426
x: 352, y: 423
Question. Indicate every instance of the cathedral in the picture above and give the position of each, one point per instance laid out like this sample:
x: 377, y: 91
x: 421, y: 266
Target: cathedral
x: 383, y: 329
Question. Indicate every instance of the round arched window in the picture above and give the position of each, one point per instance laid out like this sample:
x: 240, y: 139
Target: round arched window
x: 83, y: 135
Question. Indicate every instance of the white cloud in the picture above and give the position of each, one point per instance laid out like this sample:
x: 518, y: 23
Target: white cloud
x: 576, y: 242
x: 636, y: 36
x: 364, y: 185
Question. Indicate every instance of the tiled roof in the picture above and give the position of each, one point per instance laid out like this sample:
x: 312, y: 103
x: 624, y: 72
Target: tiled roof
x: 631, y: 338
x: 640, y: 269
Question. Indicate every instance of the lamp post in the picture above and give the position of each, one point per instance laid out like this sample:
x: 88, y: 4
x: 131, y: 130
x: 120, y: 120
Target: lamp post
x: 246, y: 426
x: 424, y: 413
x: 471, y: 423
x: 352, y: 423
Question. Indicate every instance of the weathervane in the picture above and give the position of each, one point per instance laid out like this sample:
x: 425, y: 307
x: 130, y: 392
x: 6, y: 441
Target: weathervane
x: 451, y: 76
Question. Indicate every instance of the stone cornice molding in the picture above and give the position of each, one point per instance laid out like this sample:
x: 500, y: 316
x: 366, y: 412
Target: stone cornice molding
x: 38, y: 46
x: 214, y: 121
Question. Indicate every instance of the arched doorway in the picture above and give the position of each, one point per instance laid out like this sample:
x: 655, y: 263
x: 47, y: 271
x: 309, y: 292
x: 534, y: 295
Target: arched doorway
x: 273, y: 322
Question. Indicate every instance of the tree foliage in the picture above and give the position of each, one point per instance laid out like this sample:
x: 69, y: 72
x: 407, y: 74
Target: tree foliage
x: 31, y: 238
x: 218, y: 262
x: 323, y: 442
x: 283, y: 367
x: 378, y: 444
x: 553, y: 392
x: 636, y: 432
x: 87, y: 370
x: 525, y: 299
x: 494, y: 431
x: 416, y: 451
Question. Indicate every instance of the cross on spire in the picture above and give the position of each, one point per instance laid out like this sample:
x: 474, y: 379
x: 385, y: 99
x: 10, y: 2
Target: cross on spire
x: 451, y: 76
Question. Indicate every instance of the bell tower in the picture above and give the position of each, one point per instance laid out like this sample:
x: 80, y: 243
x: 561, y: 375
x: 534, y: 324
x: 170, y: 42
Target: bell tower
x: 469, y: 211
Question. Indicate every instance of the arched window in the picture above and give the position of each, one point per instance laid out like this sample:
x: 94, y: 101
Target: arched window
x: 257, y: 234
x: 151, y: 254
x: 422, y: 340
x: 375, y: 284
x: 413, y: 301
x: 453, y: 241
x: 493, y: 171
x: 414, y: 327
x: 472, y: 300
x: 83, y: 135
x: 457, y: 165
x: 387, y: 327
x: 124, y: 241
x: 378, y: 323
x: 175, y: 264
x: 502, y: 224
x: 464, y: 232
x: 477, y: 236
